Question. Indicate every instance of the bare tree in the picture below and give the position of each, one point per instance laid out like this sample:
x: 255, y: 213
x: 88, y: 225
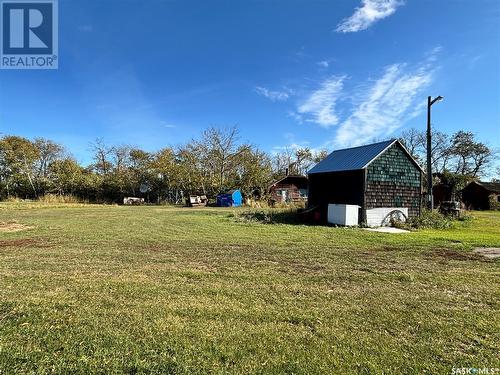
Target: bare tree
x: 101, y: 153
x: 415, y: 142
x: 497, y: 177
x: 283, y: 160
x: 121, y: 157
x: 319, y: 156
x: 48, y: 151
x: 220, y: 146
x: 296, y: 161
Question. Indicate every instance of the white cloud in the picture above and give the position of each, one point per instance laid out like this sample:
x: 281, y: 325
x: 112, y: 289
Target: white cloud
x: 291, y: 145
x: 323, y: 64
x: 275, y: 96
x: 319, y: 107
x: 167, y: 125
x: 370, y: 12
x: 297, y: 117
x: 389, y: 102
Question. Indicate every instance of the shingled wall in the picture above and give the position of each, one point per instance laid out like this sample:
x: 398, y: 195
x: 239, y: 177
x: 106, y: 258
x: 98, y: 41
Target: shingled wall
x: 393, y: 180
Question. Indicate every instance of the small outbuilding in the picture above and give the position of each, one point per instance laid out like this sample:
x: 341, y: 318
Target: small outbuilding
x: 197, y: 201
x: 382, y: 179
x: 290, y: 189
x: 479, y: 195
x: 232, y: 198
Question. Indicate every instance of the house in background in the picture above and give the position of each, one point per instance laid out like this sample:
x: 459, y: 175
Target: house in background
x: 479, y: 195
x: 290, y: 189
x: 232, y: 198
x: 382, y: 179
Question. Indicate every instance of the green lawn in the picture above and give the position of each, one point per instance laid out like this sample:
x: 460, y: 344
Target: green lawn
x: 109, y: 289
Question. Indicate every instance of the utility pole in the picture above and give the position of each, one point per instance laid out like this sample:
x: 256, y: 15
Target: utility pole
x: 430, y: 197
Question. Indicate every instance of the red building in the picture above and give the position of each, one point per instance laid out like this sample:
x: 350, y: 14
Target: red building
x: 290, y: 189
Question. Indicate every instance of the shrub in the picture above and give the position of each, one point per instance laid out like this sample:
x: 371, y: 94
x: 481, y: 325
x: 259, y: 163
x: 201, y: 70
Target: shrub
x: 290, y: 215
x: 256, y: 203
x: 494, y: 203
x: 465, y: 218
x: 429, y: 220
x: 435, y: 220
x: 57, y: 198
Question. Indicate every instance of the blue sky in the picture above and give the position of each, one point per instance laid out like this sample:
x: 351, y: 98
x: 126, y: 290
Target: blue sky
x: 322, y: 74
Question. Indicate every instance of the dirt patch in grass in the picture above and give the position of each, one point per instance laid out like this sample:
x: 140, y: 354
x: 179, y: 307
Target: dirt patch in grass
x: 11, y: 227
x: 449, y: 254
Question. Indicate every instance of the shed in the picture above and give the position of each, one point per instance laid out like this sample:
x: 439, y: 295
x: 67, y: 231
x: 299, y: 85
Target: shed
x: 232, y: 198
x: 479, y: 195
x: 197, y: 201
x: 289, y: 189
x: 382, y: 178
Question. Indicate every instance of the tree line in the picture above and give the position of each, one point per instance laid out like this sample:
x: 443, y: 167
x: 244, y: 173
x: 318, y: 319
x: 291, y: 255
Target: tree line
x: 215, y: 162
x: 456, y: 159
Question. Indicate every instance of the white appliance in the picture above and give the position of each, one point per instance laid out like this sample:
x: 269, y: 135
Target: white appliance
x: 343, y: 214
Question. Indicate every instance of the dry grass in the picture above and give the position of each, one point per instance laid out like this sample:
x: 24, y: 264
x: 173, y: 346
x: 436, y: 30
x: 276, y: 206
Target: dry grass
x: 12, y: 227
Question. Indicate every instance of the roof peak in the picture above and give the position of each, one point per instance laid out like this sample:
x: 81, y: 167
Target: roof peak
x: 354, y: 158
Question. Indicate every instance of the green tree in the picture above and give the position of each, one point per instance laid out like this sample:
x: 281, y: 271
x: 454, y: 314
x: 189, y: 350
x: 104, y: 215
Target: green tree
x: 48, y: 151
x: 18, y: 157
x: 169, y: 181
x: 67, y: 177
x: 253, y: 173
x: 472, y: 157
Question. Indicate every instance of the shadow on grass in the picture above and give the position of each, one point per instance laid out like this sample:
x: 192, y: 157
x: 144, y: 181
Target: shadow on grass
x: 293, y: 216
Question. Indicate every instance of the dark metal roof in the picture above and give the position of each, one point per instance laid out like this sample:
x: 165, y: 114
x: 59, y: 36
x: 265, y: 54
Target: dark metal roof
x: 292, y: 179
x: 493, y: 187
x: 351, y: 159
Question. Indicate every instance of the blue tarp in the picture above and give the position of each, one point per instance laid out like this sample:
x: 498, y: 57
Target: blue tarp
x: 232, y: 198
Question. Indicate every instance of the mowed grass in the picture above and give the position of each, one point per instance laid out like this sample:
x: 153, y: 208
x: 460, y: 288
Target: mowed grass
x: 109, y: 289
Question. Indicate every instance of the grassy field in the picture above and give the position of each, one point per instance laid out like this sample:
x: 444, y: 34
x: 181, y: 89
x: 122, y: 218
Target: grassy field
x: 109, y: 289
